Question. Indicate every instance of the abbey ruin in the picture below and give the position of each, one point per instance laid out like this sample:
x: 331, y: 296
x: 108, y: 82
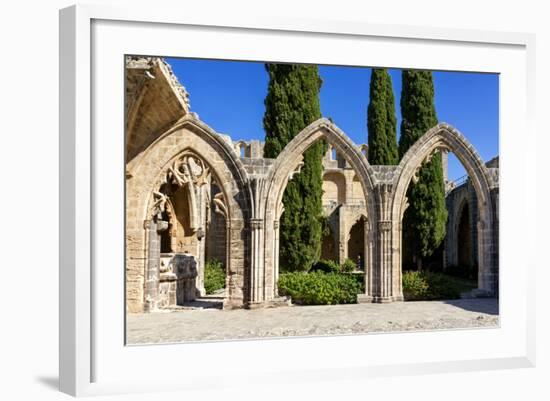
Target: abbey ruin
x: 194, y: 194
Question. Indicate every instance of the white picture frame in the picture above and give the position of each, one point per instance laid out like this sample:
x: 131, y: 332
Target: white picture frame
x: 93, y: 358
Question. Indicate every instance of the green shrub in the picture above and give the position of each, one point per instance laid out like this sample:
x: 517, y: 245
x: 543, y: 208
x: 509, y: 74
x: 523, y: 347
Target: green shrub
x: 318, y: 288
x: 415, y: 286
x: 214, y: 276
x: 326, y: 266
x: 348, y: 266
x: 429, y: 286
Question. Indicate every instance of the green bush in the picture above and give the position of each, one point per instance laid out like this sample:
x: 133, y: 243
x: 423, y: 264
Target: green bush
x: 415, y: 286
x: 214, y: 276
x: 318, y: 288
x: 326, y: 266
x: 430, y: 286
x: 348, y: 266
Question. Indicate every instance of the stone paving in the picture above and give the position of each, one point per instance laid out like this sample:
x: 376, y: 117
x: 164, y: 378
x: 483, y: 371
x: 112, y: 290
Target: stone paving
x: 214, y: 324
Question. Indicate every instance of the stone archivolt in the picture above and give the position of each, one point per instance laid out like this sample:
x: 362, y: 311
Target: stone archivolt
x: 191, y: 156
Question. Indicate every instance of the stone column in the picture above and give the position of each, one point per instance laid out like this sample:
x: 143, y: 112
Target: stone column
x: 276, y: 256
x: 201, y: 241
x: 342, y: 234
x: 152, y: 274
x: 257, y: 261
x: 368, y: 264
x: 237, y: 288
x: 385, y: 280
x: 385, y: 256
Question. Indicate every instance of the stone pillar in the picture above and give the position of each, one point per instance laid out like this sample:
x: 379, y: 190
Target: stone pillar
x: 342, y: 234
x: 276, y: 256
x: 152, y: 274
x: 368, y: 265
x: 257, y: 261
x: 385, y: 256
x: 385, y: 279
x: 237, y: 288
x: 201, y: 241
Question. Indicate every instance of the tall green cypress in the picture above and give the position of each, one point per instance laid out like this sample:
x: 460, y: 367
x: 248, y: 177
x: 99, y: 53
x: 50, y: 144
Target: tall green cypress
x: 292, y: 103
x: 425, y: 219
x: 381, y: 121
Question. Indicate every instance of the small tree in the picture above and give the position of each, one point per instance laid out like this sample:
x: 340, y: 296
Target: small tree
x: 424, y: 222
x: 381, y: 121
x: 292, y: 103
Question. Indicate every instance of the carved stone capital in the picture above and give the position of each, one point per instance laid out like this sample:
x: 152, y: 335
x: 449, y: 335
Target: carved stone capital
x: 256, y: 224
x: 384, y: 225
x: 276, y: 224
x: 162, y: 225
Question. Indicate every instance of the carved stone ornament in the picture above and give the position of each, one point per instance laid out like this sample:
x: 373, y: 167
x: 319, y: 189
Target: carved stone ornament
x: 295, y: 171
x: 256, y: 224
x: 188, y: 169
x: 159, y: 204
x: 384, y: 225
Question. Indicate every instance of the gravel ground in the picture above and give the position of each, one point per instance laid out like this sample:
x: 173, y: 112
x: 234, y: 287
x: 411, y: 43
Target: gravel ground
x: 215, y: 324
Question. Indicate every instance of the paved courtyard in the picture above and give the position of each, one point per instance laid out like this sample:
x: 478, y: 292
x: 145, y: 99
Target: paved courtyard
x: 209, y: 324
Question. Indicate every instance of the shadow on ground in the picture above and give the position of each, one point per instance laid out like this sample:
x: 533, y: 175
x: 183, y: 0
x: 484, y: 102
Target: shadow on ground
x: 481, y: 305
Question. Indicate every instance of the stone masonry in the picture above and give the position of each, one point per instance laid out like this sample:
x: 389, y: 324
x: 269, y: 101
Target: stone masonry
x: 193, y: 193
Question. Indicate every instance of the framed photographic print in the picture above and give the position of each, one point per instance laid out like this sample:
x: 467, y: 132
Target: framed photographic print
x: 273, y: 193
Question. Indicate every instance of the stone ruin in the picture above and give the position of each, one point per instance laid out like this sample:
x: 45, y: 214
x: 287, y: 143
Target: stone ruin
x: 193, y: 194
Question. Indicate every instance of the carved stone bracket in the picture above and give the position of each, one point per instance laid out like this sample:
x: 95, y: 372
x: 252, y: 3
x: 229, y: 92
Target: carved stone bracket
x: 162, y: 225
x: 296, y: 170
x: 220, y: 205
x: 159, y: 204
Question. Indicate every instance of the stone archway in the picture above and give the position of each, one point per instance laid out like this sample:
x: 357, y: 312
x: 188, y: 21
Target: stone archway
x: 145, y: 177
x: 269, y: 192
x: 445, y: 138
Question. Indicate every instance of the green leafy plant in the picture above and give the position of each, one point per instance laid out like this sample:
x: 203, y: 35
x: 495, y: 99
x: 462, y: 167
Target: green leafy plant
x: 214, y: 276
x: 291, y: 104
x: 317, y: 288
x: 381, y: 121
x: 430, y: 286
x: 326, y: 266
x: 424, y: 221
x: 348, y: 266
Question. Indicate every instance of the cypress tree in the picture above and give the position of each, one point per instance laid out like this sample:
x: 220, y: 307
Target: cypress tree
x: 292, y: 103
x: 425, y: 219
x: 381, y: 121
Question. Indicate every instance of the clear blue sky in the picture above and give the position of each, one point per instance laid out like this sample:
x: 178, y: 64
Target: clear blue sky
x: 229, y: 96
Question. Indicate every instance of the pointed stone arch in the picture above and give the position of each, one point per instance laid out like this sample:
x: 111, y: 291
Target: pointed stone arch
x: 269, y: 208
x: 145, y: 175
x: 444, y: 137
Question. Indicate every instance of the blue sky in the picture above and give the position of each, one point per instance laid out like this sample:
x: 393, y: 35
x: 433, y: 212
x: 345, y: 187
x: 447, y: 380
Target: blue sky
x: 229, y: 96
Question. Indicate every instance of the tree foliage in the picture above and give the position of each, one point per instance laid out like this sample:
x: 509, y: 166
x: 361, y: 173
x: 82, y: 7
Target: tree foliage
x: 425, y: 219
x: 292, y: 103
x: 381, y: 121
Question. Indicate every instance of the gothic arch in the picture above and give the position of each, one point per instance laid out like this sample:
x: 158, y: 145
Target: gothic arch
x: 147, y: 173
x: 444, y: 137
x: 289, y: 161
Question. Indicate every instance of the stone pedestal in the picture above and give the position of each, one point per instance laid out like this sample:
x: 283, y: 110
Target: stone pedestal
x: 185, y: 269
